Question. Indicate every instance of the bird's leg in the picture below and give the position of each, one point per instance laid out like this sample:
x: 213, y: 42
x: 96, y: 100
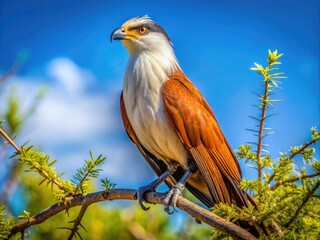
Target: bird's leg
x: 152, y: 186
x: 175, y: 192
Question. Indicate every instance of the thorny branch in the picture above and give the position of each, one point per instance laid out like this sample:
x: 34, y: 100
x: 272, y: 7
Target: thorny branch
x: 293, y: 155
x: 261, y: 127
x: 185, y: 205
x: 304, y: 201
x: 19, y: 149
x: 265, y: 102
x: 302, y: 149
x: 77, y: 222
x: 294, y: 179
x: 3, y: 133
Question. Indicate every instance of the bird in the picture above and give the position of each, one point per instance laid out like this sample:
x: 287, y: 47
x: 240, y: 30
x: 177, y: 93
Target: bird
x: 172, y: 124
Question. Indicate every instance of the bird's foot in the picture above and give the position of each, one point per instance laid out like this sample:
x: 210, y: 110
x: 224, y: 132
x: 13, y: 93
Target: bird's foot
x: 141, y: 192
x: 172, y: 197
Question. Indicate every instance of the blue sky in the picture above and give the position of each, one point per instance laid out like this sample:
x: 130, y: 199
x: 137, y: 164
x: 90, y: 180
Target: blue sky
x: 216, y: 43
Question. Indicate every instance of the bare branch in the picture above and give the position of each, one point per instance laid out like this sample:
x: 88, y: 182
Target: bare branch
x: 185, y: 205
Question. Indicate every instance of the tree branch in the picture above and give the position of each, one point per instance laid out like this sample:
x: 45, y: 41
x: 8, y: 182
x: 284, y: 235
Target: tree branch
x: 58, y: 182
x: 185, y: 205
x: 293, y: 180
x: 77, y: 222
x: 304, y: 201
x: 301, y: 149
x: 261, y: 127
x: 307, y: 144
x: 9, y: 140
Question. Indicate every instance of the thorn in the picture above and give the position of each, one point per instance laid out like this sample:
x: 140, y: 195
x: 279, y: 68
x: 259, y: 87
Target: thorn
x: 255, y: 118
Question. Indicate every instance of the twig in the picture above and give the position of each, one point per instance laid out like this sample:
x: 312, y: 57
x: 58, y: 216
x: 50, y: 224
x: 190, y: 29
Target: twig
x: 302, y: 149
x: 57, y: 182
x: 77, y: 222
x: 293, y: 155
x: 304, y: 201
x: 9, y: 140
x: 293, y: 180
x: 265, y: 103
x: 44, y: 174
x: 192, y: 209
x: 261, y: 126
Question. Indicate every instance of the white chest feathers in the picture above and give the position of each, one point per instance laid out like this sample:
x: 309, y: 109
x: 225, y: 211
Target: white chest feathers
x: 145, y: 109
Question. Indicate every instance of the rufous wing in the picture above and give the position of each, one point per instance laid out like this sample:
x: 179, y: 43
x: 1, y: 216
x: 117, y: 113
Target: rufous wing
x: 194, y: 122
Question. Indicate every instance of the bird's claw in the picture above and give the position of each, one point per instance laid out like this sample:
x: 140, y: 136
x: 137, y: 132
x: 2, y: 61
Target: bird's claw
x: 172, y: 197
x: 141, y: 192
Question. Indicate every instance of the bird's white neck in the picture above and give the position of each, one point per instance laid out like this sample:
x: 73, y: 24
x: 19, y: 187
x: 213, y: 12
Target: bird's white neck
x: 148, y: 70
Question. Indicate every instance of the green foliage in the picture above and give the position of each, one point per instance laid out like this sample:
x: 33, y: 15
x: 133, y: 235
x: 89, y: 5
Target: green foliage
x: 315, y: 134
x: 246, y: 153
x: 107, y: 184
x: 5, y: 223
x: 25, y: 216
x: 41, y: 163
x: 90, y: 169
x: 273, y: 57
x: 287, y: 196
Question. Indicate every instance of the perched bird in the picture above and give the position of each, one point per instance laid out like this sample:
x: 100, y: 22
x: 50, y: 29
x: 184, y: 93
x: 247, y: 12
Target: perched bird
x: 171, y: 123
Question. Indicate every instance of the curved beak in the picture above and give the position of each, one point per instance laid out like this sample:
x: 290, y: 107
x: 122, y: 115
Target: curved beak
x: 118, y: 34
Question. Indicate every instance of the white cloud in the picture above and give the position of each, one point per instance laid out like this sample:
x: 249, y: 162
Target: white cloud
x: 72, y: 119
x: 69, y: 75
x: 69, y: 111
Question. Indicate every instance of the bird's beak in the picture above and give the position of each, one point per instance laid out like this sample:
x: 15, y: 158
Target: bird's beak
x: 118, y: 34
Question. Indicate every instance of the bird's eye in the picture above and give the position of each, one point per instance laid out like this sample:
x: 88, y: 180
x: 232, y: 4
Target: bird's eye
x: 142, y: 30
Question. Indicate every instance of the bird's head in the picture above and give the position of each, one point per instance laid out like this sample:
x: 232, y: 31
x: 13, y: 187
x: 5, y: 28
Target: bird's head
x: 141, y: 34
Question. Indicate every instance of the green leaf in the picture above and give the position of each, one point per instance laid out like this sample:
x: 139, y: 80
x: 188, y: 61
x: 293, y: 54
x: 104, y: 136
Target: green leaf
x: 107, y: 184
x: 89, y: 170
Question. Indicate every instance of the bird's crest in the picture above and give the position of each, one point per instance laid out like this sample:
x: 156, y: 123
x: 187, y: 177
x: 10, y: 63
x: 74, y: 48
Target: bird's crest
x: 136, y: 21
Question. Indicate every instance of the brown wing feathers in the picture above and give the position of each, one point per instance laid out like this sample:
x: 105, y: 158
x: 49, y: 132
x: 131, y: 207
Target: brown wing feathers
x: 194, y: 122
